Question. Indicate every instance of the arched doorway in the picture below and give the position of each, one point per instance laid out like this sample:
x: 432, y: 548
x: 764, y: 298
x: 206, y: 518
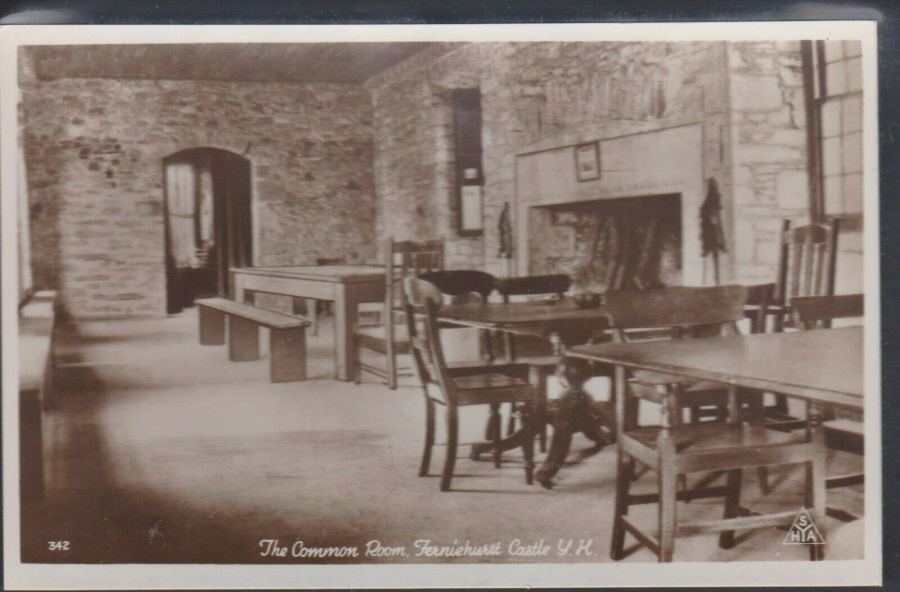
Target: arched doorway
x: 208, y: 222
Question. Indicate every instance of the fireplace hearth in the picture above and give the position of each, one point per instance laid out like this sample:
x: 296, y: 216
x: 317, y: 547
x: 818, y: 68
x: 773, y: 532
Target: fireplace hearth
x: 630, y: 243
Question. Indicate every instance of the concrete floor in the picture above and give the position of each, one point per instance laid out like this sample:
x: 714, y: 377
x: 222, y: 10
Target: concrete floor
x: 160, y: 450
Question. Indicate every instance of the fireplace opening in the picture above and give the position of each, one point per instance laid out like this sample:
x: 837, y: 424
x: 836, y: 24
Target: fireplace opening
x: 606, y: 244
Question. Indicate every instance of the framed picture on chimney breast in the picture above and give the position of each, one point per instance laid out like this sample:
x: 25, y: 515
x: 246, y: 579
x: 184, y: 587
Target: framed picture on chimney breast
x: 587, y: 161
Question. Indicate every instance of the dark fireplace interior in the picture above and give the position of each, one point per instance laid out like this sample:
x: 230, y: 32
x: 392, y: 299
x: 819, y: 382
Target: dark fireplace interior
x: 628, y: 243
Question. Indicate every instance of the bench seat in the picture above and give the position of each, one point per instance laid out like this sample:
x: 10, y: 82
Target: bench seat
x: 287, y: 335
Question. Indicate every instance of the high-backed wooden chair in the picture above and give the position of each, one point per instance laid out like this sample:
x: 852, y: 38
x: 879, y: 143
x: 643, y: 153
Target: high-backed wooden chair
x: 390, y: 338
x: 452, y: 390
x: 807, y: 263
x: 841, y: 433
x: 675, y: 448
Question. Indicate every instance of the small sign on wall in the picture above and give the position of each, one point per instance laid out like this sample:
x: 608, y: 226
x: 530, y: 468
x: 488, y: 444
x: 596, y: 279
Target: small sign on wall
x: 587, y: 161
x: 470, y: 219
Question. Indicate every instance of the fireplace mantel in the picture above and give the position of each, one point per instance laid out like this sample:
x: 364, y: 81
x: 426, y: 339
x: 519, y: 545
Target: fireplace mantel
x: 667, y: 161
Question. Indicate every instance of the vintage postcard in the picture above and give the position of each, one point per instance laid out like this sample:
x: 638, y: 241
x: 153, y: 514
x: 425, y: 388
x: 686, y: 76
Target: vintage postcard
x: 440, y: 306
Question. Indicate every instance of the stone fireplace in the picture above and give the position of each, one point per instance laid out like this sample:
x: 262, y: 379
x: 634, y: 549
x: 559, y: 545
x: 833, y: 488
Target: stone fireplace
x: 637, y: 226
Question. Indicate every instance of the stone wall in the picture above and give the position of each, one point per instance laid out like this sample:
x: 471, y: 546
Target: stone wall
x: 769, y: 151
x: 535, y: 96
x: 94, y: 150
x: 748, y: 97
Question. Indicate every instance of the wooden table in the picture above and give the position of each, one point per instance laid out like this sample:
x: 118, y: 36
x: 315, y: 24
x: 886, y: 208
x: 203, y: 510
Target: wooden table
x: 823, y: 366
x: 556, y: 321
x: 345, y: 285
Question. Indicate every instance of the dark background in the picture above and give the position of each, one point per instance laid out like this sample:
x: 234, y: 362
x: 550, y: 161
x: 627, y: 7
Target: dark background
x: 522, y: 11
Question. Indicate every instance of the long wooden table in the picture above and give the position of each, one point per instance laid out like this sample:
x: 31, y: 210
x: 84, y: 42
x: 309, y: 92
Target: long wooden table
x: 823, y: 366
x: 345, y: 285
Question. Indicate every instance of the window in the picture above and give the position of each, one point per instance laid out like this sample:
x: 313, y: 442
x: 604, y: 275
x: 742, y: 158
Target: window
x: 835, y: 70
x: 469, y: 174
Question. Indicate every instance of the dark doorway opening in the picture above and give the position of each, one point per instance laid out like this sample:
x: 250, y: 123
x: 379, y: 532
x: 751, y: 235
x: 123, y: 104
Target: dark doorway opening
x: 208, y: 223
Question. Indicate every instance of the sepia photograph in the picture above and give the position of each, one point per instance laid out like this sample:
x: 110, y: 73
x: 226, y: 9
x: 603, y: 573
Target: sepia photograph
x: 495, y: 300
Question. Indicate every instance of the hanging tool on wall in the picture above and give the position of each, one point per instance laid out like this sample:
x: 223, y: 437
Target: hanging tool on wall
x: 504, y: 226
x: 712, y: 235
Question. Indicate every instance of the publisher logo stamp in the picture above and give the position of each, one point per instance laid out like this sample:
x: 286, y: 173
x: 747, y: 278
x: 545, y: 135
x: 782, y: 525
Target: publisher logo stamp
x: 803, y: 531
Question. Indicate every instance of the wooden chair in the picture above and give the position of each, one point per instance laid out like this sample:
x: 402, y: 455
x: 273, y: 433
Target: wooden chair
x: 841, y: 433
x: 454, y: 389
x: 806, y: 265
x: 389, y: 338
x: 807, y: 262
x: 532, y: 285
x: 674, y: 448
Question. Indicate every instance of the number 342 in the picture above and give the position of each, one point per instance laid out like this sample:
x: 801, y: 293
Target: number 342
x: 58, y: 545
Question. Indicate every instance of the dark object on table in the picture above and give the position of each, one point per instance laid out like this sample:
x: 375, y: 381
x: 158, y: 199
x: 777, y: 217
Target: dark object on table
x: 588, y: 299
x: 458, y: 282
x: 533, y: 285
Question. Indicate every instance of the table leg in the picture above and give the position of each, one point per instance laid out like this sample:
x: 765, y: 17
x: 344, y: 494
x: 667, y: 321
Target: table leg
x: 576, y: 412
x: 344, y: 325
x: 312, y: 315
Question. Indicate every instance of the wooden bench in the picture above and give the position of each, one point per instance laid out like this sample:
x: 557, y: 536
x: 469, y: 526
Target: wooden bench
x: 287, y: 337
x: 36, y: 324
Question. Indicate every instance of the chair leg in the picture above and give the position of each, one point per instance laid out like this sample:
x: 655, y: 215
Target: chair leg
x: 813, y: 474
x: 357, y: 351
x: 528, y: 442
x: 391, y: 370
x: 668, y: 496
x: 694, y: 414
x: 538, y: 379
x: 497, y: 434
x: 816, y: 478
x: 762, y: 475
x: 488, y: 345
x: 511, y: 422
x: 429, y: 438
x: 624, y: 477
x: 781, y: 405
x: 452, y: 439
x: 732, y: 503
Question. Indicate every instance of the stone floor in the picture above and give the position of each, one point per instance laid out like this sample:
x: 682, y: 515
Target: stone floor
x: 160, y: 450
